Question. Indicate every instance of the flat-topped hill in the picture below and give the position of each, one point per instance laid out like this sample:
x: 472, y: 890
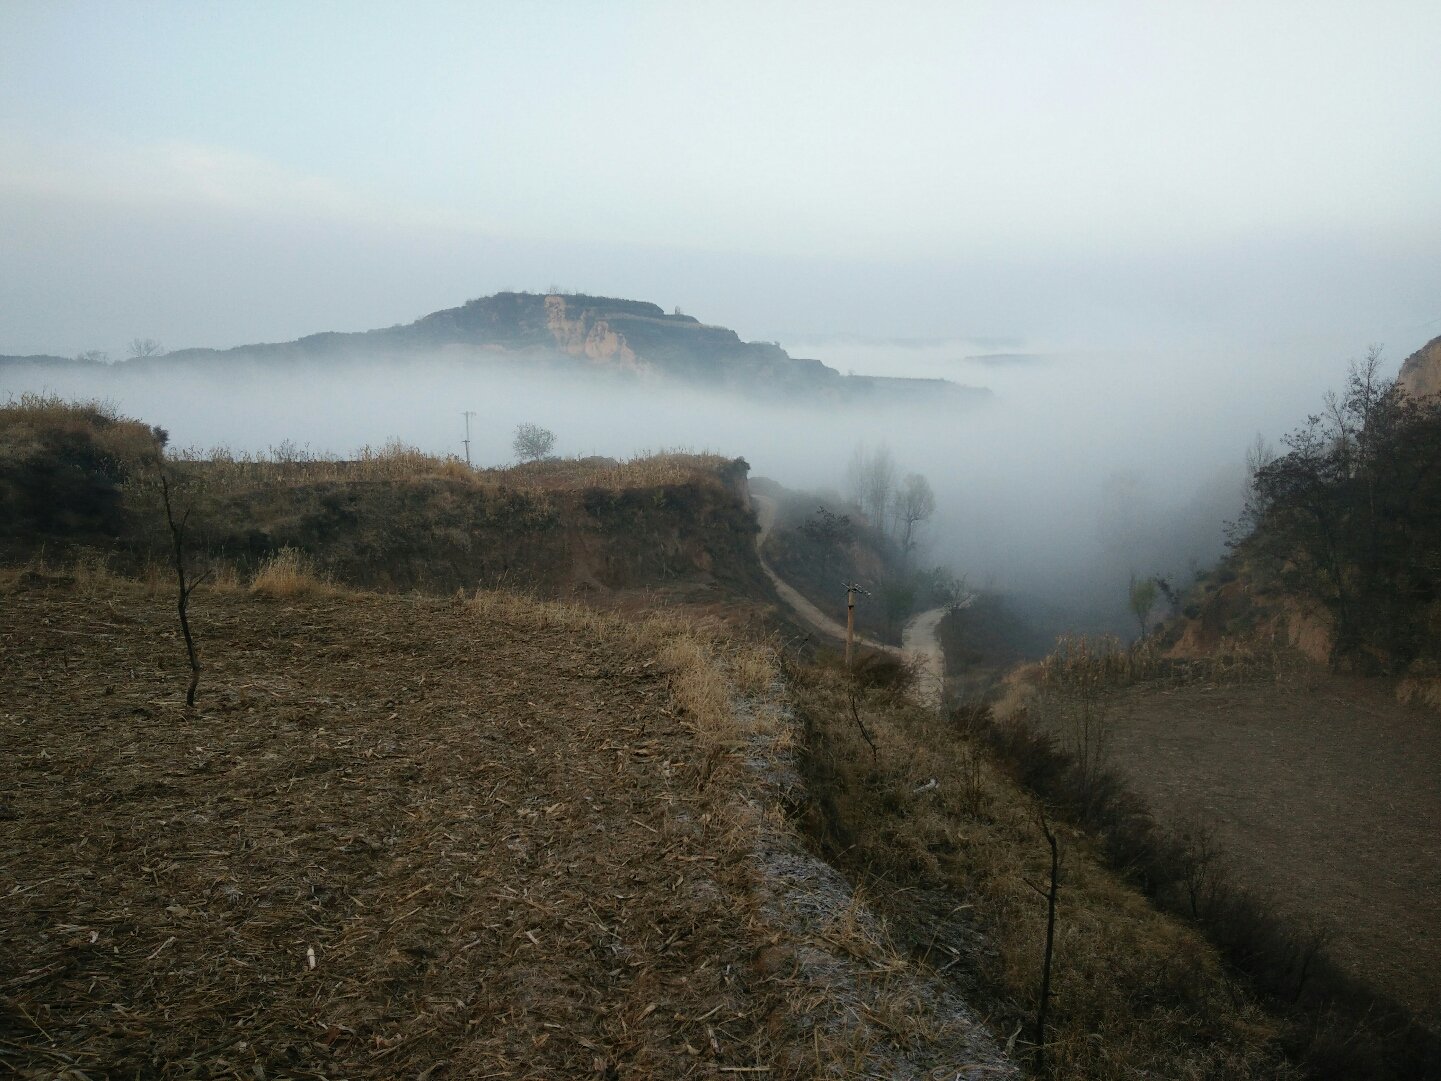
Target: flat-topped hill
x: 564, y: 332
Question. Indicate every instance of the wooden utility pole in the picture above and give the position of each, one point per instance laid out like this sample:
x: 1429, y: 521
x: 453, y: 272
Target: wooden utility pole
x: 851, y: 590
x: 467, y: 414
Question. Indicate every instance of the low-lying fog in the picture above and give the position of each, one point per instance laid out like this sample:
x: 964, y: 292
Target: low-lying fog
x: 1083, y: 468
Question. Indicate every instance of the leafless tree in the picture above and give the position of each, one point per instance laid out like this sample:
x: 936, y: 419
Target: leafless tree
x: 186, y: 585
x: 1050, y: 896
x: 144, y: 347
x: 871, y: 478
x: 914, y: 504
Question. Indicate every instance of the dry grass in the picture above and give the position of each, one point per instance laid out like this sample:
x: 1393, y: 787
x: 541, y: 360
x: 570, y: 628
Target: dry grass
x: 1085, y: 666
x: 226, y: 470
x: 649, y: 470
x: 1080, y: 663
x: 853, y: 1005
x: 953, y: 865
x: 289, y: 574
x: 704, y: 667
x: 1268, y: 833
x: 33, y: 417
x: 396, y: 836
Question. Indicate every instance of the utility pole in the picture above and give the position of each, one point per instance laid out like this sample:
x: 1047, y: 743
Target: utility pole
x: 467, y: 414
x: 851, y: 590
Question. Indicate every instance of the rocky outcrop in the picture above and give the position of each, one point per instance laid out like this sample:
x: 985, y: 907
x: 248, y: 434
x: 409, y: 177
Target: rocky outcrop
x: 584, y: 333
x: 1421, y: 373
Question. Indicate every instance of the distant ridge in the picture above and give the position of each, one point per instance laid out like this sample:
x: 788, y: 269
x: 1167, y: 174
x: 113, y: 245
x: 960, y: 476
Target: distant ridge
x: 623, y: 338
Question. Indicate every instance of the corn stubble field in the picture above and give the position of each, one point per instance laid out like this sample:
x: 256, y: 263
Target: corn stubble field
x: 399, y: 836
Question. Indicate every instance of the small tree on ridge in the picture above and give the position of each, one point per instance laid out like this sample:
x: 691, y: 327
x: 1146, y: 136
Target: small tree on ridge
x: 532, y: 442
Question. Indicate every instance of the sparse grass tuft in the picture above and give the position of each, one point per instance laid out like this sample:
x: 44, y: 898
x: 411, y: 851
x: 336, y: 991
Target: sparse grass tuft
x: 288, y: 574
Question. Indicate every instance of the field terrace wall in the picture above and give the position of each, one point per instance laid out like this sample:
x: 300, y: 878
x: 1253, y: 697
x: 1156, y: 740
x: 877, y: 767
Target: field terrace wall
x: 440, y: 533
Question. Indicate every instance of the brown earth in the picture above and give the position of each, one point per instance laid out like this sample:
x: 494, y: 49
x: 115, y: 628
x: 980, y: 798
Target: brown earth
x: 380, y: 844
x: 409, y: 836
x: 1324, y: 792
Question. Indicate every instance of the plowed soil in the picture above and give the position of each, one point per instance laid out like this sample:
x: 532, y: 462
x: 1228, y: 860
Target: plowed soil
x: 390, y: 840
x: 1323, y: 791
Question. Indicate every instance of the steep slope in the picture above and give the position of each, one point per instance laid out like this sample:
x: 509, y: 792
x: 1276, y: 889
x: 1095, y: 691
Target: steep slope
x: 1421, y: 371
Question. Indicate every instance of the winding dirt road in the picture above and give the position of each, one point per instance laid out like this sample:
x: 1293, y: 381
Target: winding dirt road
x: 919, y: 644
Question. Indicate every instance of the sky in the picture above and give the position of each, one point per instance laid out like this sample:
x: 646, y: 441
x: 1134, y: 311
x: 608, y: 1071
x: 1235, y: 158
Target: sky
x: 1098, y: 175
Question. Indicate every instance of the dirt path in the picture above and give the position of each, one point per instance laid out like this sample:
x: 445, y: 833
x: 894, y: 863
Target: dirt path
x: 920, y: 644
x: 918, y: 639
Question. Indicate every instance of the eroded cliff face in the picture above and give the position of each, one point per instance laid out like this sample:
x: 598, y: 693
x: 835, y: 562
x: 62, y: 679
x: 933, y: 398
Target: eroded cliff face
x: 1421, y: 373
x: 582, y: 333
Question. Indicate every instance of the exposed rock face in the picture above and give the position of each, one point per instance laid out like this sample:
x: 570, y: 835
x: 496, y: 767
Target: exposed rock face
x: 1421, y: 373
x: 587, y: 335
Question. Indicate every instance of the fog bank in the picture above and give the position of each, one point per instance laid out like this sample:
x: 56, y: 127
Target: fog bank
x: 1084, y: 467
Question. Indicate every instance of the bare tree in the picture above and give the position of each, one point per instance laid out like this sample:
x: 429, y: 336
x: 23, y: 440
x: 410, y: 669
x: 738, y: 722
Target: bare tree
x: 144, y: 347
x: 532, y: 442
x: 914, y: 504
x: 93, y: 356
x: 871, y: 478
x: 1050, y: 896
x: 186, y: 585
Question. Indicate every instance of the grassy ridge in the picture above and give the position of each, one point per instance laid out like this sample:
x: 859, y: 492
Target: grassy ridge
x: 75, y: 477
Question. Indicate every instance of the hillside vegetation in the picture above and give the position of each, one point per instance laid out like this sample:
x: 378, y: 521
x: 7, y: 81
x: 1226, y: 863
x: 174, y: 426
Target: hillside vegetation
x: 78, y: 478
x: 821, y: 541
x: 1240, y: 767
x: 1339, y: 552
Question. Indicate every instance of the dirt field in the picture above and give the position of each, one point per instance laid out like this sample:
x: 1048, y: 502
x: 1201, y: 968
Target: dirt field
x: 364, y: 853
x: 1324, y: 791
x: 409, y: 837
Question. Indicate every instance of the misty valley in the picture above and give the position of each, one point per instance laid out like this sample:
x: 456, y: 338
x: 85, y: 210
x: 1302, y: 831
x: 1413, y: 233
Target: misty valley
x: 556, y: 684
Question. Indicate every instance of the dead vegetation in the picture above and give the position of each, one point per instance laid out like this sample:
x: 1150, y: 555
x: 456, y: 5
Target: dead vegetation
x: 949, y: 852
x: 378, y: 846
x: 288, y: 575
x: 395, y: 460
x: 1082, y: 671
x: 403, y: 836
x: 76, y: 479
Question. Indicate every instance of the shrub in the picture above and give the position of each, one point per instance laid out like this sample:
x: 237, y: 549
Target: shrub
x: 288, y: 574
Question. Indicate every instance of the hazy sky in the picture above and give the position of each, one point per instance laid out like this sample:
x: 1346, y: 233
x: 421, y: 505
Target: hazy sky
x: 1082, y: 173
